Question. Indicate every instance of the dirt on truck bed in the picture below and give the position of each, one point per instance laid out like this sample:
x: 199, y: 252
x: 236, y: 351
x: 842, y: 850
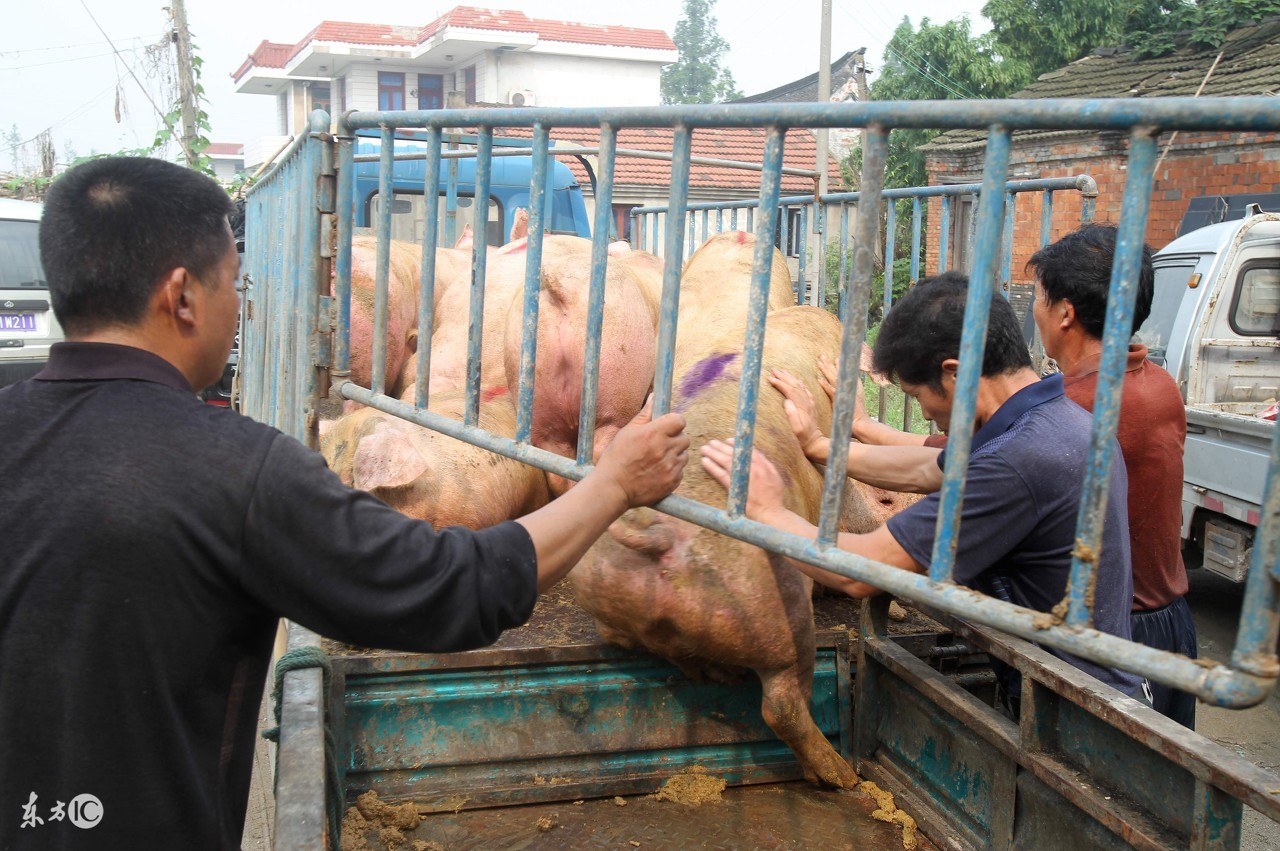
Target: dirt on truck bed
x: 558, y: 621
x: 777, y: 815
x: 693, y: 810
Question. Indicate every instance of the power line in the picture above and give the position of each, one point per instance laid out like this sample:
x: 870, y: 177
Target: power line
x: 64, y: 61
x: 62, y: 46
x: 160, y: 112
x: 956, y: 88
x: 74, y: 114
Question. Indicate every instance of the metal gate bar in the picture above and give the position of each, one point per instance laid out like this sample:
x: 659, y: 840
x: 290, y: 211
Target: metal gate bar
x: 1255, y: 670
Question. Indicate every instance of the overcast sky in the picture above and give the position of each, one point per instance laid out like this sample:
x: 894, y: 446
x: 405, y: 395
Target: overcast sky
x: 57, y: 69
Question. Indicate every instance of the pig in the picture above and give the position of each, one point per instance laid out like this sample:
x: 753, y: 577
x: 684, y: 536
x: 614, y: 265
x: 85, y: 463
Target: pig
x: 433, y: 477
x: 402, y: 307
x: 714, y: 290
x: 627, y: 348
x: 504, y: 278
x: 713, y: 605
x: 519, y: 230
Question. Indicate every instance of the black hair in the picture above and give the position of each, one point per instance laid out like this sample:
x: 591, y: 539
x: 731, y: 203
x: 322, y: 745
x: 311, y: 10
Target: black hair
x: 112, y: 228
x: 923, y: 329
x: 1078, y: 268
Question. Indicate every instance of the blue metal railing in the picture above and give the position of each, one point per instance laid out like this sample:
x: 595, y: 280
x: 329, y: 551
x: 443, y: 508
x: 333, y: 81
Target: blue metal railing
x: 286, y: 209
x: 649, y: 221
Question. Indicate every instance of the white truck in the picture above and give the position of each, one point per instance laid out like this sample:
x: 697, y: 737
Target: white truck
x: 1215, y: 326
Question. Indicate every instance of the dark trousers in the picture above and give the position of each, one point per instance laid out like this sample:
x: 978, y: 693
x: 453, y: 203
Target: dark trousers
x: 1170, y: 628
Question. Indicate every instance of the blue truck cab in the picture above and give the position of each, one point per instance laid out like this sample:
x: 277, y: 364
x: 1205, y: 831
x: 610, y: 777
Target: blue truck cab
x: 511, y: 176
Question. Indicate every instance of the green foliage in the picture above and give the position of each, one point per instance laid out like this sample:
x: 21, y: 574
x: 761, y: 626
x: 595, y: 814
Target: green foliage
x: 1047, y: 34
x: 1157, y: 27
x: 698, y: 76
x: 938, y: 62
x: 875, y: 305
x: 895, y: 402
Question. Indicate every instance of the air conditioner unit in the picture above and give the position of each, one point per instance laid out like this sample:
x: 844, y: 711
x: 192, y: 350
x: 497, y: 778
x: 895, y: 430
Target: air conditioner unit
x: 521, y: 97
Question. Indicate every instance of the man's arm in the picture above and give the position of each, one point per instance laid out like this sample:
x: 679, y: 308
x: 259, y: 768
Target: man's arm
x: 765, y: 505
x: 644, y: 463
x: 866, y: 428
x: 902, y: 468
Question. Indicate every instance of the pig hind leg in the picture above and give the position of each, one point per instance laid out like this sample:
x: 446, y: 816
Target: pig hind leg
x: 786, y: 710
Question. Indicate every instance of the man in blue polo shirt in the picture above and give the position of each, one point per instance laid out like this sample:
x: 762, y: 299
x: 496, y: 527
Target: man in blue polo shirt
x: 1027, y: 465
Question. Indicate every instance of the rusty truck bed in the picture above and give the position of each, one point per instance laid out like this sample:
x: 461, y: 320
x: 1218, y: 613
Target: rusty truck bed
x: 544, y: 790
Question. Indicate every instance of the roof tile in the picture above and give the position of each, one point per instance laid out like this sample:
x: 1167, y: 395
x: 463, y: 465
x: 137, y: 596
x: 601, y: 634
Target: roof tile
x: 1250, y: 66
x: 743, y: 144
x: 466, y: 17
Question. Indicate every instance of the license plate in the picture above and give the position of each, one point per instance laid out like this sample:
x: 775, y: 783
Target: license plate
x: 17, y: 322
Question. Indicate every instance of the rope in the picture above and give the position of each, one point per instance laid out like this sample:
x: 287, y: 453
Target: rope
x: 297, y: 659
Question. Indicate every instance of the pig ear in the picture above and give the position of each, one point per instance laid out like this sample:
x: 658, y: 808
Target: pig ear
x: 387, y: 459
x: 864, y: 364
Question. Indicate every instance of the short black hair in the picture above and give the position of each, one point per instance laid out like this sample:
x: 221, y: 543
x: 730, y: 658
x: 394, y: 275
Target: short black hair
x: 1078, y: 268
x: 923, y: 329
x: 113, y: 227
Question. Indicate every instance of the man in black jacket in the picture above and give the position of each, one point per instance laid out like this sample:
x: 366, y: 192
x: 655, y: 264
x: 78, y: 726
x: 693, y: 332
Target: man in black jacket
x: 153, y: 541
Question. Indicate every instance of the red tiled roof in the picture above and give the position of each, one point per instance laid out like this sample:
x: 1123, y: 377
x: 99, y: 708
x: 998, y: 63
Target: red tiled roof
x: 743, y: 144
x: 267, y: 55
x: 226, y: 149
x: 507, y: 20
x: 270, y: 55
x: 349, y: 33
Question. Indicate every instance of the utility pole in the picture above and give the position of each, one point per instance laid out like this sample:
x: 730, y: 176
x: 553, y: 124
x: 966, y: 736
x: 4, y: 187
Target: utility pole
x: 186, y: 79
x: 860, y: 80
x: 817, y: 293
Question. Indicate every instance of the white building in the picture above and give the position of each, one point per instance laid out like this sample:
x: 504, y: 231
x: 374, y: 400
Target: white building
x: 465, y: 56
x: 227, y: 159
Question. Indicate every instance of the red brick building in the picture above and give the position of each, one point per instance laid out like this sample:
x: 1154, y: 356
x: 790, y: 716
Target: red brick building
x: 1192, y: 165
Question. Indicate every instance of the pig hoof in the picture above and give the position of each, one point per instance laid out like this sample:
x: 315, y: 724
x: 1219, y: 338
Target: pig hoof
x: 835, y: 773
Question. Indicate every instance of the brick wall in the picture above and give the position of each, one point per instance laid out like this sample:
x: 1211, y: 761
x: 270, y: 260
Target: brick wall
x: 1196, y: 164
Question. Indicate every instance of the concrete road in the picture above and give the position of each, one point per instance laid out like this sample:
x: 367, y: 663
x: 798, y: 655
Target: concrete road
x: 1253, y: 733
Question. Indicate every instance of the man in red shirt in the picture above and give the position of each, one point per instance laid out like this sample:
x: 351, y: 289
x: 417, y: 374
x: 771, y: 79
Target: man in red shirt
x: 1073, y: 277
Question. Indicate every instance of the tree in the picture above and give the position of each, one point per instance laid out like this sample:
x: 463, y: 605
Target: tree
x: 698, y: 77
x: 1047, y: 34
x: 13, y: 141
x: 938, y: 62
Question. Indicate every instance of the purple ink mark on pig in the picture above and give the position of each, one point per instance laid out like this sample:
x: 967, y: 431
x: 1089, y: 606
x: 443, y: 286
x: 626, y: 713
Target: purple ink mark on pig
x: 705, y: 372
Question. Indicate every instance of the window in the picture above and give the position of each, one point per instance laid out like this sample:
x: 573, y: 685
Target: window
x: 390, y: 90
x: 794, y: 225
x: 469, y: 84
x: 962, y: 223
x: 20, y: 256
x: 1170, y: 285
x: 622, y: 220
x: 430, y: 91
x: 320, y: 98
x: 408, y: 215
x: 1256, y: 309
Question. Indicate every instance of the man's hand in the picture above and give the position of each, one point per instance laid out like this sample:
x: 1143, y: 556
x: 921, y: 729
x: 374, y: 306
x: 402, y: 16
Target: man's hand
x: 827, y: 380
x: 643, y: 463
x: 765, y: 491
x: 801, y: 414
x: 646, y: 459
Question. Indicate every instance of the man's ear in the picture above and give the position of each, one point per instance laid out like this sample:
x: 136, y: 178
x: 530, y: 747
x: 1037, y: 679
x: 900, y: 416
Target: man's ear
x: 173, y: 297
x: 950, y: 367
x: 1066, y: 313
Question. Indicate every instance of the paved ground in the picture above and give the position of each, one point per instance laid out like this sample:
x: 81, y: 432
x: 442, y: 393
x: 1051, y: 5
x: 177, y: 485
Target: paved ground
x: 1252, y: 733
